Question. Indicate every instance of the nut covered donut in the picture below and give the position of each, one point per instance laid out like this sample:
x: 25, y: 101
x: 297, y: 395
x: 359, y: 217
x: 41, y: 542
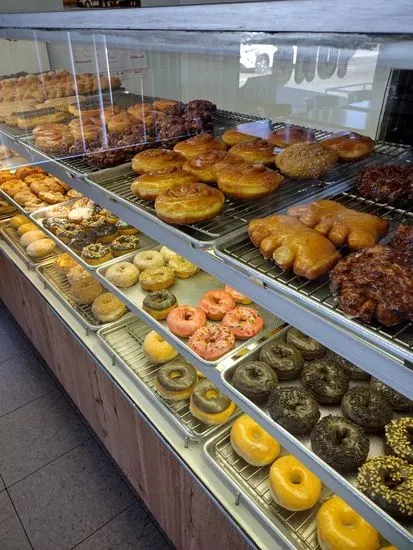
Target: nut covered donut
x: 185, y: 320
x: 199, y: 144
x: 212, y: 341
x: 399, y: 440
x: 216, y: 303
x: 244, y: 322
x: 189, y: 203
x: 248, y: 181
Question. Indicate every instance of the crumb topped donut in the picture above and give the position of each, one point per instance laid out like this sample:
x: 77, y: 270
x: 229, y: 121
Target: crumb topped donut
x: 327, y: 382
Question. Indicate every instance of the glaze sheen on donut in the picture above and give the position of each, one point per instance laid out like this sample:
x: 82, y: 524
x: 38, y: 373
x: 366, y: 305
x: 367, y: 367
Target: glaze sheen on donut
x: 367, y: 408
x: 284, y: 358
x: 252, y: 443
x: 159, y: 303
x: 185, y: 320
x: 209, y: 405
x: 349, y: 146
x: 176, y: 380
x: 294, y: 408
x: 244, y: 322
x: 255, y: 380
x: 309, y: 348
x: 216, y: 303
x: 212, y: 341
x: 327, y: 381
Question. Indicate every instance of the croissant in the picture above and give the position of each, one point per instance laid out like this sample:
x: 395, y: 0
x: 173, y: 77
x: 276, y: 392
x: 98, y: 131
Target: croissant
x: 343, y: 226
x: 293, y: 245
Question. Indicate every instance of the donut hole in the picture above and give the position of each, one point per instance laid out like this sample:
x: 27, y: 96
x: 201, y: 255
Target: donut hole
x: 390, y: 481
x: 339, y: 435
x: 296, y: 477
x: 188, y: 315
x: 175, y: 374
x: 211, y: 394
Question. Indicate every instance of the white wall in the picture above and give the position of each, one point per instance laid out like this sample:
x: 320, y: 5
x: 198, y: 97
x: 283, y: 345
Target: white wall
x: 23, y: 55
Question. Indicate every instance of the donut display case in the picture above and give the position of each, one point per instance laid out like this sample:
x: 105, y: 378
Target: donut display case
x: 209, y: 240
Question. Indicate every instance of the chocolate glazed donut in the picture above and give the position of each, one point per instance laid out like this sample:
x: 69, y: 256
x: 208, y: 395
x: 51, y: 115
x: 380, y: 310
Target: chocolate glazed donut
x: 255, y: 380
x: 367, y: 408
x: 284, y: 358
x: 398, y: 401
x: 208, y: 399
x: 176, y: 376
x: 310, y: 349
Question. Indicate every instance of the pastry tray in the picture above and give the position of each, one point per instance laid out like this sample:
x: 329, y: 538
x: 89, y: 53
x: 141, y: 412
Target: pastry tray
x: 59, y: 285
x: 21, y: 209
x: 188, y: 292
x: 38, y: 216
x: 241, y: 253
x: 377, y: 447
x: 124, y: 343
x: 11, y: 236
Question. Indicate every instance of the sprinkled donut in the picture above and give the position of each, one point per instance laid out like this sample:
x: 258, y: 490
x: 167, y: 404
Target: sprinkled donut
x: 284, y: 358
x: 367, y: 408
x: 212, y: 341
x: 244, y: 322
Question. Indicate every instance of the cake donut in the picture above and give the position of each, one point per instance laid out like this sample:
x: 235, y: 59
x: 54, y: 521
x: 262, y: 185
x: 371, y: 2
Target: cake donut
x: 209, y: 405
x: 327, y: 381
x: 185, y: 320
x: 238, y: 297
x: 367, y: 408
x: 157, y: 349
x: 212, y: 341
x: 398, y: 401
x: 167, y: 254
x: 252, y: 443
x: 156, y: 278
x: 176, y: 380
x: 255, y: 380
x: 244, y: 322
x: 216, y: 303
x: 310, y: 349
x: 148, y: 258
x: 122, y: 274
x: 398, y: 436
x: 159, y: 303
x: 108, y: 308
x: 294, y: 408
x: 284, y: 358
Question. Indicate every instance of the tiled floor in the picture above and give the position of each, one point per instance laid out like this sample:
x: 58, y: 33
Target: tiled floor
x: 58, y: 489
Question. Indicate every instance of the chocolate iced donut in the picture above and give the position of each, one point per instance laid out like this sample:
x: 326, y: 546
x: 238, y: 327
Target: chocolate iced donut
x: 284, y: 358
x: 310, y: 349
x: 399, y: 438
x: 68, y: 232
x: 340, y: 443
x: 79, y: 242
x: 327, y: 381
x: 52, y: 224
x: 398, y: 401
x: 208, y: 399
x: 367, y: 408
x: 294, y: 408
x: 106, y: 232
x: 388, y: 482
x: 255, y: 380
x: 353, y: 372
x: 176, y: 379
x: 159, y: 303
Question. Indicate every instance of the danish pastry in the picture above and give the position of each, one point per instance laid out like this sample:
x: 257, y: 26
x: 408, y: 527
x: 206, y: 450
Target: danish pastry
x: 156, y: 159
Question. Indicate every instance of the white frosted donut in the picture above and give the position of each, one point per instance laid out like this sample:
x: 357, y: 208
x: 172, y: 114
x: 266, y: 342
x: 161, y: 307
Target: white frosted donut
x: 123, y: 274
x: 148, y: 258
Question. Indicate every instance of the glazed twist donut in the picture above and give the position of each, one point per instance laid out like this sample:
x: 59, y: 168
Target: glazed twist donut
x: 199, y: 144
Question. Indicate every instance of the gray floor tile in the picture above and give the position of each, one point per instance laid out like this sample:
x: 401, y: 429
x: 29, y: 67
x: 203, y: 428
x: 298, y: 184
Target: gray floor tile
x: 70, y: 498
x: 12, y: 341
x: 36, y: 434
x: 23, y: 379
x: 2, y: 486
x: 12, y: 536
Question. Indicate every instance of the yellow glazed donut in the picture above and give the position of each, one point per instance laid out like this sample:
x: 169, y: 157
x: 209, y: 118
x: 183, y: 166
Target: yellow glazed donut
x: 252, y: 443
x: 339, y: 527
x: 182, y: 267
x: 292, y: 485
x: 157, y: 349
x: 25, y: 227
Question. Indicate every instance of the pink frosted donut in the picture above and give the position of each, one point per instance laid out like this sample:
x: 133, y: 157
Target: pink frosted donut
x: 244, y: 322
x: 212, y: 341
x: 184, y: 320
x: 238, y: 297
x: 216, y: 303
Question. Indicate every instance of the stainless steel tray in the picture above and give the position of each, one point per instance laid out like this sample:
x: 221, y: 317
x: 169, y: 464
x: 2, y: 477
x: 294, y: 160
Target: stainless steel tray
x: 189, y: 292
x: 21, y: 209
x: 59, y: 285
x: 241, y: 253
x: 124, y: 343
x: 377, y: 447
x: 10, y: 235
x: 39, y: 216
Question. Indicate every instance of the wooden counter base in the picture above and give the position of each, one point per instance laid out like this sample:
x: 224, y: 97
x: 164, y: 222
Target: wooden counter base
x: 182, y: 509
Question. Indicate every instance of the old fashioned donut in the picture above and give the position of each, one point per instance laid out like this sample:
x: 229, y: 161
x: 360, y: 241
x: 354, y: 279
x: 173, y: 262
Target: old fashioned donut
x: 327, y: 381
x: 212, y: 341
x: 85, y: 290
x: 176, y: 380
x: 310, y: 349
x: 252, y: 443
x: 399, y: 438
x: 339, y: 527
x: 157, y: 349
x: 349, y: 146
x: 367, y: 408
x: 122, y: 274
x: 216, y: 303
x: 148, y: 258
x: 159, y: 303
x: 284, y: 358
x: 248, y: 181
x: 185, y: 320
x: 255, y: 380
x: 292, y: 485
x: 157, y: 278
x: 153, y: 160
x: 209, y: 405
x: 149, y: 185
x: 305, y: 161
x: 202, y: 166
x: 198, y: 145
x: 290, y: 134
x: 108, y: 308
x: 238, y: 297
x: 95, y: 254
x: 243, y: 321
x: 294, y: 408
x: 397, y: 400
x: 182, y: 267
x: 123, y: 244
x: 388, y: 482
x: 255, y: 150
x: 340, y: 443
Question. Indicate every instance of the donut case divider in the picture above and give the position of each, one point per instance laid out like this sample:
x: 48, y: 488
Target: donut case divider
x: 261, y: 415
x: 124, y: 342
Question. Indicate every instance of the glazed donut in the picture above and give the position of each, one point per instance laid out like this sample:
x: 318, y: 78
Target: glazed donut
x: 340, y: 443
x: 159, y: 303
x: 305, y: 161
x: 167, y: 254
x: 244, y: 322
x: 248, y: 181
x: 216, y: 303
x: 153, y: 160
x: 190, y: 203
x: 339, y: 527
x: 398, y: 401
x: 290, y: 134
x: 95, y: 254
x: 148, y: 258
x: 120, y: 123
x: 367, y: 408
x: 6, y: 208
x: 388, y: 482
x: 176, y: 380
x: 310, y: 349
x: 164, y: 104
x: 212, y: 341
x: 139, y: 110
x: 40, y: 248
x: 26, y: 227
x: 149, y: 185
x: 157, y: 278
x: 202, y: 166
x: 125, y: 228
x: 399, y: 442
x: 64, y: 263
x: 238, y: 297
x: 157, y: 349
x: 209, y: 405
x: 284, y: 358
x: 294, y: 408
x: 85, y: 290
x: 185, y: 320
x: 349, y: 146
x: 30, y: 237
x: 327, y: 381
x: 124, y: 244
x: 252, y: 443
x: 183, y: 268
x: 108, y: 308
x: 255, y: 380
x: 292, y: 485
x: 198, y: 145
x: 255, y: 150
x: 122, y: 274
x: 233, y: 136
x: 17, y: 221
